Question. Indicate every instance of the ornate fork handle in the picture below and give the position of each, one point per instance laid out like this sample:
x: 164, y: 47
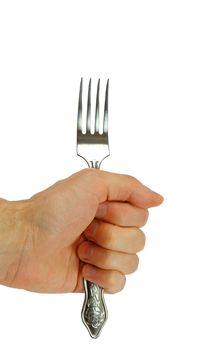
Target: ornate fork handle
x: 94, y: 311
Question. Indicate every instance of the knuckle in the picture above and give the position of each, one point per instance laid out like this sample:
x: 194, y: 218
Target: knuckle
x: 116, y: 282
x: 133, y: 263
x: 122, y: 283
x: 130, y: 177
x: 88, y: 173
x: 122, y: 220
x: 141, y: 239
x: 107, y: 261
x: 145, y: 216
x: 108, y: 236
x: 111, y: 280
x: 92, y: 179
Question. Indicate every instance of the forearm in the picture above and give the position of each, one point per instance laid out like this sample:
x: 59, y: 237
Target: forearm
x: 12, y: 237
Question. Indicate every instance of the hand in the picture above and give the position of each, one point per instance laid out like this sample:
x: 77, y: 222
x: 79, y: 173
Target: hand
x: 87, y: 225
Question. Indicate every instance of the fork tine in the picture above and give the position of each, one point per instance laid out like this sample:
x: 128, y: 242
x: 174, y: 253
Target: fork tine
x: 106, y: 106
x: 88, y: 122
x: 97, y: 108
x: 79, y: 121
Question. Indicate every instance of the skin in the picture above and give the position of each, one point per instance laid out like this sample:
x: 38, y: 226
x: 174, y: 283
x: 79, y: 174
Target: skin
x: 88, y: 225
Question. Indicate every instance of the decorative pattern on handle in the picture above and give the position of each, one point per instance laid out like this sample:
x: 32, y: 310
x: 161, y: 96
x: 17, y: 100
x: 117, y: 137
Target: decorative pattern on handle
x: 94, y: 312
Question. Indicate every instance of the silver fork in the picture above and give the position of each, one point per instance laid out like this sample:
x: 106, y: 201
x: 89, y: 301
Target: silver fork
x: 93, y: 148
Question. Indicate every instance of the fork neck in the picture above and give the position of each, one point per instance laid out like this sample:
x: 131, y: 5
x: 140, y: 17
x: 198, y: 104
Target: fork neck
x: 94, y: 164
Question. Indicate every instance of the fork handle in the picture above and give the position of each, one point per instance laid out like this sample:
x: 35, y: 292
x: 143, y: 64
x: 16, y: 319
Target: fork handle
x: 94, y: 311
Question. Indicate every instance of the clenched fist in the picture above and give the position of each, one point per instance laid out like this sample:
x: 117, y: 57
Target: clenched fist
x: 86, y: 226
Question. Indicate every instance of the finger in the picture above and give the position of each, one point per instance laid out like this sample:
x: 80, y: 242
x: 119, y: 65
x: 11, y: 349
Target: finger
x: 115, y: 187
x: 129, y: 240
x: 122, y: 214
x: 107, y: 259
x: 111, y: 281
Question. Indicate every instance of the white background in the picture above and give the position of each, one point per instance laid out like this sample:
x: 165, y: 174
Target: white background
x: 152, y: 53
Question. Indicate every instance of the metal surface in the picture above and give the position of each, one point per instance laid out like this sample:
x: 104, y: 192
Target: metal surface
x: 93, y: 147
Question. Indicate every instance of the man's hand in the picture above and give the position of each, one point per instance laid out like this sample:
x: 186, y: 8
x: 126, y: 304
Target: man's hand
x: 87, y: 225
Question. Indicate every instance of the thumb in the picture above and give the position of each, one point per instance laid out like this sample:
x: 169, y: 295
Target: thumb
x: 107, y: 186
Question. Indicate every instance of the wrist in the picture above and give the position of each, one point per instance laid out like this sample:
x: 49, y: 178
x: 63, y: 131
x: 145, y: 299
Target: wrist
x: 13, y: 234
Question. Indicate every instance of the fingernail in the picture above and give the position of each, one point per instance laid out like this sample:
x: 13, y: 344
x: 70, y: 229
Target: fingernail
x: 102, y: 210
x: 91, y: 229
x: 90, y: 271
x: 155, y: 193
x: 158, y: 194
x: 87, y: 251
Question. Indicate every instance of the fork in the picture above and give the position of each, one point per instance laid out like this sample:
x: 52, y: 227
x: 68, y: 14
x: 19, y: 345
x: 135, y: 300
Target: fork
x: 93, y: 147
